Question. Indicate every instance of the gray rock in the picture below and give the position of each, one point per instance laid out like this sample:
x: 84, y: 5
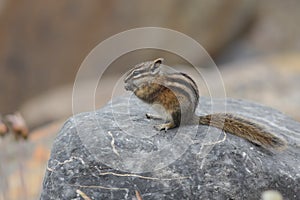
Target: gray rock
x: 114, y: 151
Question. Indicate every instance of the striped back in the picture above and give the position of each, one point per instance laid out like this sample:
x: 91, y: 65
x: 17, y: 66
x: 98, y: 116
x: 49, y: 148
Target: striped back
x: 183, y: 84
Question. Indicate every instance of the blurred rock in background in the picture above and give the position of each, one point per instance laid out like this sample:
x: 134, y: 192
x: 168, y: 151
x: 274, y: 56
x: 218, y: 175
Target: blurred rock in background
x: 44, y: 43
x: 270, y: 80
x: 23, y: 163
x: 274, y: 30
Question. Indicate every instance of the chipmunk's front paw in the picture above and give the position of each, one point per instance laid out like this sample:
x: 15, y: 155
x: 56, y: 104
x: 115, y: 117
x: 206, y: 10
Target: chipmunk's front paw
x: 151, y: 116
x: 165, y: 126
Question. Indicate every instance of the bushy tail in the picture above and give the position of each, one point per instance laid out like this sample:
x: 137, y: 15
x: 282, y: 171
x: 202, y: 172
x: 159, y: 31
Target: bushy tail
x: 243, y: 128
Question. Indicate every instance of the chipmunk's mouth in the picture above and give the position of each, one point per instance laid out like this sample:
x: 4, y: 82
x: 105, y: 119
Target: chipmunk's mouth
x: 127, y: 87
x: 130, y: 87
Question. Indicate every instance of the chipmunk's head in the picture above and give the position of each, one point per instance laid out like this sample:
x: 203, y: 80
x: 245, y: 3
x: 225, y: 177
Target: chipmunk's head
x: 142, y: 73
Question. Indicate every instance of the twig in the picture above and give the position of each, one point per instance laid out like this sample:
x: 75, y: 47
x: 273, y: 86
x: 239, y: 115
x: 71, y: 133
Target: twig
x: 100, y: 187
x: 83, y: 195
x: 138, y: 195
x: 142, y: 177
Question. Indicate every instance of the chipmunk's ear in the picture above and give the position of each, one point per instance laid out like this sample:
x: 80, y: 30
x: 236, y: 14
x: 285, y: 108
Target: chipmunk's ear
x: 156, y: 63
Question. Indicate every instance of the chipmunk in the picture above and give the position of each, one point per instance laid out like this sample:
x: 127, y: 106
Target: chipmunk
x: 178, y: 94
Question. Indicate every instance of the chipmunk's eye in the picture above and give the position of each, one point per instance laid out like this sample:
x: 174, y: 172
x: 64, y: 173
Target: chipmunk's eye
x: 153, y: 70
x: 135, y: 73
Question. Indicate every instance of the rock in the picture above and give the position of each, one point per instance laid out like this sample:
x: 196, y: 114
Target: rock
x: 273, y: 81
x: 56, y: 104
x: 114, y: 153
x: 275, y: 30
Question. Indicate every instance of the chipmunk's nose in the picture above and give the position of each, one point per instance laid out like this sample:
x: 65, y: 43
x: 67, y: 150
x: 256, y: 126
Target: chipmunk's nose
x: 127, y: 86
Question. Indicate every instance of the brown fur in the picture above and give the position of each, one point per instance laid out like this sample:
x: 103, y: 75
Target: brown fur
x: 243, y: 128
x: 178, y: 94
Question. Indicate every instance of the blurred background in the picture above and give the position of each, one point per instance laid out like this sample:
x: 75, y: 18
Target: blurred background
x: 255, y: 45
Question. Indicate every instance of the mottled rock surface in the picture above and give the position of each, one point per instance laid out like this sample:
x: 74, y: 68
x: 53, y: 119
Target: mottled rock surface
x: 114, y: 152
